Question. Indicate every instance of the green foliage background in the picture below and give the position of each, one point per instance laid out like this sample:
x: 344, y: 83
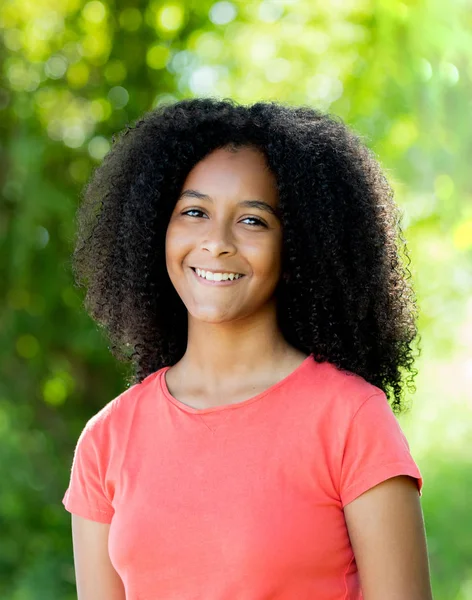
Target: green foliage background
x: 74, y: 73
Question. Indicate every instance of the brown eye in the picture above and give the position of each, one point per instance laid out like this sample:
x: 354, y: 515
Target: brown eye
x: 192, y: 210
x: 257, y: 222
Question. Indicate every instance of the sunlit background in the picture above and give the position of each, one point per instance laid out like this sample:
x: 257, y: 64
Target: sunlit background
x: 74, y: 73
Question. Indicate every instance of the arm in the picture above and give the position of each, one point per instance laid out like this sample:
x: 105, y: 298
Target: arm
x: 386, y: 529
x: 94, y: 573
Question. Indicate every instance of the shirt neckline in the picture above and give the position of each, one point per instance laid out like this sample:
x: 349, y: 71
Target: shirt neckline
x: 225, y: 407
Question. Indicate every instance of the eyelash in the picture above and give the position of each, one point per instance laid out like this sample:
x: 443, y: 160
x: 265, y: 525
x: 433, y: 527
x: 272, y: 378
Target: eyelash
x: 259, y: 222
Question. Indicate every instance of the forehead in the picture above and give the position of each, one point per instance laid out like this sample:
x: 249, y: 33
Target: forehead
x: 233, y: 174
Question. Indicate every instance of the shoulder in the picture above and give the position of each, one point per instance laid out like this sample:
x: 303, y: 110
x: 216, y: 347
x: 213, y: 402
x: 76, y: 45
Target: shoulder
x: 114, y: 414
x: 331, y: 401
x: 339, y: 391
x: 106, y: 435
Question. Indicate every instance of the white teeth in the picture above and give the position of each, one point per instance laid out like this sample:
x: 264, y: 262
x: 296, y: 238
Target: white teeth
x: 216, y: 276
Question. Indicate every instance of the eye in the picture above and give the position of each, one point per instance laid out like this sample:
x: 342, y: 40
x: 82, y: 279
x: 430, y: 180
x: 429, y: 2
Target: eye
x: 257, y: 222
x: 193, y: 210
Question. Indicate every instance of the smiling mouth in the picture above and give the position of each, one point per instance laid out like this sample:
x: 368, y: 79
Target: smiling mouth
x: 220, y: 273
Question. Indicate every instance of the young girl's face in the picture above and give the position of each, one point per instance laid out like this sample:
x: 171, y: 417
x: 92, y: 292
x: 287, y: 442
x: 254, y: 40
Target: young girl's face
x: 225, y: 222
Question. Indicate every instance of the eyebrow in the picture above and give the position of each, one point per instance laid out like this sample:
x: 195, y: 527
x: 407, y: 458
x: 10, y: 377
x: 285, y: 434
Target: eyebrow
x: 260, y: 204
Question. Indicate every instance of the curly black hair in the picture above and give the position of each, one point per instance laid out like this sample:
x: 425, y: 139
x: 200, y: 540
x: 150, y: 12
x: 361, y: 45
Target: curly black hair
x: 346, y: 296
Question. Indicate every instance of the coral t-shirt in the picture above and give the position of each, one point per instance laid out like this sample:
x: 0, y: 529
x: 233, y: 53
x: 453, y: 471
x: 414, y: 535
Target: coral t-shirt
x: 241, y: 501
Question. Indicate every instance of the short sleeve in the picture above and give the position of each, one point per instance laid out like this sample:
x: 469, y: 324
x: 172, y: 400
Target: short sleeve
x: 86, y: 495
x: 375, y: 449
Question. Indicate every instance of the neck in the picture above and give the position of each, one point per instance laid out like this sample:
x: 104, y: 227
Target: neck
x: 223, y: 351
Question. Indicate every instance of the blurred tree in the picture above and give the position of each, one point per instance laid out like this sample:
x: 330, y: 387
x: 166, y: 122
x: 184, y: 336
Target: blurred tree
x: 74, y: 73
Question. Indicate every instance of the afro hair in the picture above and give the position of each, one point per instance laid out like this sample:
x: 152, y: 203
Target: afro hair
x: 346, y: 297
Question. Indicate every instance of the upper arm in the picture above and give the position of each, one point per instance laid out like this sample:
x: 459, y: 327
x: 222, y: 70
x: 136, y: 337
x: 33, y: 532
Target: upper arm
x: 386, y: 530
x: 94, y: 573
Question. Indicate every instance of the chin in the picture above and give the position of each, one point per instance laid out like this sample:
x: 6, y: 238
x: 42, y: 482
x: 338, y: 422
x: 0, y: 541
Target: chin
x: 213, y: 319
x: 214, y: 316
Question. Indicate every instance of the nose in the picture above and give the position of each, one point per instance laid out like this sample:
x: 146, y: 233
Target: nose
x: 218, y: 239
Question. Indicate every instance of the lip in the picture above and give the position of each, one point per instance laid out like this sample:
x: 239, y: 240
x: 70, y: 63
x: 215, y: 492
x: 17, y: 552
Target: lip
x: 220, y: 283
x: 218, y: 271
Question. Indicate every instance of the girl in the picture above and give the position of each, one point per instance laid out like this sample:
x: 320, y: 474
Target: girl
x: 245, y: 261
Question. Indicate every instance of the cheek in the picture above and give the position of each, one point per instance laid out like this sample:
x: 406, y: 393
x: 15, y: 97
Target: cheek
x: 175, y: 244
x: 168, y: 248
x: 268, y: 258
x: 265, y: 270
